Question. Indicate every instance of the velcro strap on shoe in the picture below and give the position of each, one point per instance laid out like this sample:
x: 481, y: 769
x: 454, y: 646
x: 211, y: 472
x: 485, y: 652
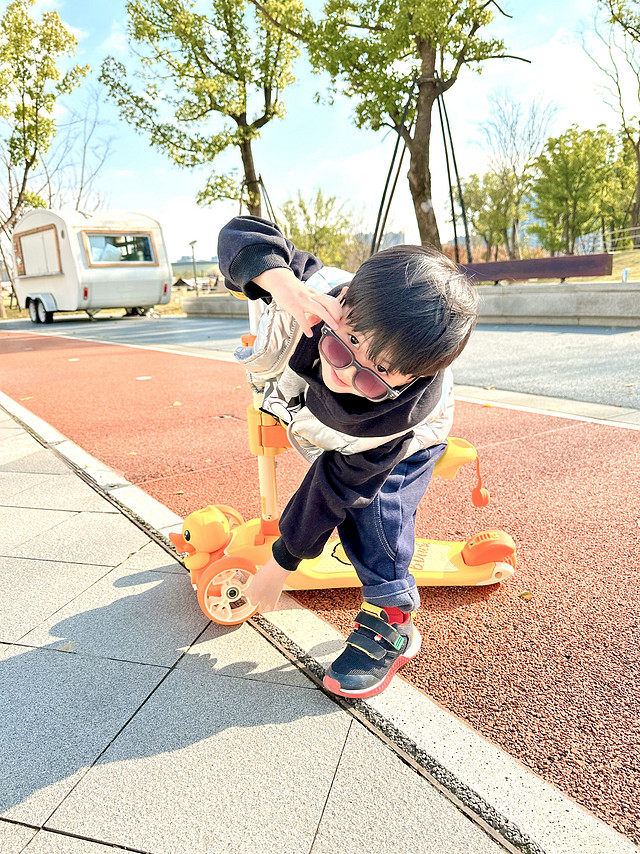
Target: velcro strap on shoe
x: 378, y: 627
x: 367, y: 645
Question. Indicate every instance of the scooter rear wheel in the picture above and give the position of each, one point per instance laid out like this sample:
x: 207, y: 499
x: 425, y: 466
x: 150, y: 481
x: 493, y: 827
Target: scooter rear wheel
x: 222, y: 591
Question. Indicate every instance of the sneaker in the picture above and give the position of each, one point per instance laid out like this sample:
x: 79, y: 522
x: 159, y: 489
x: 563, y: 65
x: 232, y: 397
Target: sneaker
x: 375, y: 651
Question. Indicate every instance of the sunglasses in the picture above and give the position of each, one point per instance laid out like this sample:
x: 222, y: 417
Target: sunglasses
x: 367, y: 382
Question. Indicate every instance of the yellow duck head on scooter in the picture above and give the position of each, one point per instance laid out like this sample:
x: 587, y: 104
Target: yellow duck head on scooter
x: 204, y: 532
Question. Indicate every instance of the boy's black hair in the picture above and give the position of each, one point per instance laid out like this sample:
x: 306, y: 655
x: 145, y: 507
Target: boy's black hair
x: 415, y: 305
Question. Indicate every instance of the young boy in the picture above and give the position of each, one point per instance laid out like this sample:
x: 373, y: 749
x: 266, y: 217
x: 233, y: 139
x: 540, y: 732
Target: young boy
x: 367, y: 397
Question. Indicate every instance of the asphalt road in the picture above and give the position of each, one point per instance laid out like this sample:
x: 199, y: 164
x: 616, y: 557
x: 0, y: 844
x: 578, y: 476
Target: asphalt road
x: 590, y: 364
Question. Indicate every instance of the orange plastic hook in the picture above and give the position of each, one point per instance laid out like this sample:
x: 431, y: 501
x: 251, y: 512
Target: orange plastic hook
x: 480, y: 496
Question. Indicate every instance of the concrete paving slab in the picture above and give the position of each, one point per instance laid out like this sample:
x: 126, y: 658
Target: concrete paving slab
x: 62, y: 492
x: 154, y: 558
x: 377, y: 803
x: 39, y: 462
x: 98, y: 538
x: 129, y: 615
x: 14, y: 446
x: 13, y: 483
x: 57, y: 843
x: 241, y: 652
x: 19, y: 525
x: 223, y: 749
x: 13, y: 837
x: 33, y: 590
x: 59, y: 711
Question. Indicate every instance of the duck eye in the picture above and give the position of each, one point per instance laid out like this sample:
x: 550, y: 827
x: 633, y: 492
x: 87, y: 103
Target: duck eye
x: 187, y: 535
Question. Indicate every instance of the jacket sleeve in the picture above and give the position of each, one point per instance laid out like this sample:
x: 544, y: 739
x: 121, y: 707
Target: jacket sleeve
x: 248, y: 245
x: 334, y: 483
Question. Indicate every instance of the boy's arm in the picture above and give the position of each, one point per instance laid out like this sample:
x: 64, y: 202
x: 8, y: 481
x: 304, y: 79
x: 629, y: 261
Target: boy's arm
x: 248, y: 245
x: 257, y: 259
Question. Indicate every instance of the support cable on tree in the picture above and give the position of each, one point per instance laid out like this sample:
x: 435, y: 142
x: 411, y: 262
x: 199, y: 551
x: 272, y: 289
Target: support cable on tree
x: 381, y: 220
x: 457, y: 174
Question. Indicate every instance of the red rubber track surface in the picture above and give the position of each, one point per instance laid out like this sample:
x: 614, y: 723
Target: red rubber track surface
x: 552, y: 678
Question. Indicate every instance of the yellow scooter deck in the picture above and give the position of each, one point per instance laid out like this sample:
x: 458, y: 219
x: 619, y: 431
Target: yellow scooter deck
x: 436, y: 563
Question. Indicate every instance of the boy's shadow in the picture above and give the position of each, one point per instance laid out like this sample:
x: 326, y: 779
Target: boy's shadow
x: 65, y: 703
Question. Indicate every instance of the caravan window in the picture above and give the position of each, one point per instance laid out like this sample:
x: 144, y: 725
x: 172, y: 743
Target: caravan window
x: 109, y: 248
x: 37, y: 252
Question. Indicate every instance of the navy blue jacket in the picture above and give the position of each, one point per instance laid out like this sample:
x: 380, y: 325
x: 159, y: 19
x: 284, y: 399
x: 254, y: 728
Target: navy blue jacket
x: 247, y: 247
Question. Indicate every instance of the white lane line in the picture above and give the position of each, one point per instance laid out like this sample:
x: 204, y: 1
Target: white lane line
x: 218, y: 355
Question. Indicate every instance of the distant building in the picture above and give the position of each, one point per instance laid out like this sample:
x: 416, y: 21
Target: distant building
x: 183, y: 268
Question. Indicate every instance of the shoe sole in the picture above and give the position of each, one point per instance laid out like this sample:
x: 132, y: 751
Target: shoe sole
x: 334, y: 686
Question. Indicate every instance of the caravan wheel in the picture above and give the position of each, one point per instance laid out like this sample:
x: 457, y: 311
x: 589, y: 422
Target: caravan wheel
x: 33, y: 312
x: 44, y: 316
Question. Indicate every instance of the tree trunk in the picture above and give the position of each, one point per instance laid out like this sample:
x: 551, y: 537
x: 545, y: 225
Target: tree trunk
x: 250, y: 179
x: 419, y: 174
x: 507, y: 243
x: 515, y: 248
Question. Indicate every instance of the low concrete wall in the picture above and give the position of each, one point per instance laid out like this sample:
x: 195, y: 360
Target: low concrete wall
x: 577, y: 304
x: 215, y: 305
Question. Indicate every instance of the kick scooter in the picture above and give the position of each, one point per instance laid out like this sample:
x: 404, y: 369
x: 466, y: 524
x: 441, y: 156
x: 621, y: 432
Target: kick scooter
x: 223, y: 551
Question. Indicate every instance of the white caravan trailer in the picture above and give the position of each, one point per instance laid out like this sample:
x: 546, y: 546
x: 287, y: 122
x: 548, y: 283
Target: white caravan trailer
x: 72, y: 261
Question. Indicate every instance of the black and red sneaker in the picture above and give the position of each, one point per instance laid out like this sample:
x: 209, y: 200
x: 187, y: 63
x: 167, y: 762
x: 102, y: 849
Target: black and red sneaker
x: 375, y: 650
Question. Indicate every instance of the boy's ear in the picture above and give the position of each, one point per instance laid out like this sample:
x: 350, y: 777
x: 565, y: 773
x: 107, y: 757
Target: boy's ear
x: 343, y: 292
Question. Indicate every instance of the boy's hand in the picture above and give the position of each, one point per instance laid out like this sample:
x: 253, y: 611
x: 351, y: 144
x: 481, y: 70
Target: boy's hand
x: 307, y: 305
x: 266, y: 586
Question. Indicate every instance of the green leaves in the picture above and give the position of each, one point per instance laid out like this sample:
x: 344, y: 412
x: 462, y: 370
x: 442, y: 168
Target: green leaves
x: 201, y: 83
x: 31, y: 56
x: 573, y: 186
x: 323, y: 227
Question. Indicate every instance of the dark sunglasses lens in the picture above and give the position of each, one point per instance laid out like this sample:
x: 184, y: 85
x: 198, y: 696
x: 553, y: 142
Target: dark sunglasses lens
x: 369, y: 385
x: 336, y: 352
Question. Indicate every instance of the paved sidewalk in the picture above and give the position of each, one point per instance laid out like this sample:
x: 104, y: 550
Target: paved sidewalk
x: 130, y: 722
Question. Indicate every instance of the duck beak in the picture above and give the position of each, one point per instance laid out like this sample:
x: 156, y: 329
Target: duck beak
x: 182, y: 546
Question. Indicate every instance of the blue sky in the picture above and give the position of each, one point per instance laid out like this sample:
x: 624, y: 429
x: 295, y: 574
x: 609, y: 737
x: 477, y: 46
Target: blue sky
x: 316, y: 146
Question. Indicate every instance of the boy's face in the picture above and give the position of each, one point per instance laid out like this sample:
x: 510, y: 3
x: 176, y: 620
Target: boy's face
x: 340, y: 380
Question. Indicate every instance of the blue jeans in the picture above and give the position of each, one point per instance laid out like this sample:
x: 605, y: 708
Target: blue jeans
x: 379, y: 539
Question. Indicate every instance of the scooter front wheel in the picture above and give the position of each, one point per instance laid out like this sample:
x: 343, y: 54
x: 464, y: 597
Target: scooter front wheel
x: 222, y: 591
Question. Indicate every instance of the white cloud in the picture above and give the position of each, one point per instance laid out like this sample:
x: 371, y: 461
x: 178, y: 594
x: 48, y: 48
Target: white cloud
x: 116, y: 42
x: 183, y: 221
